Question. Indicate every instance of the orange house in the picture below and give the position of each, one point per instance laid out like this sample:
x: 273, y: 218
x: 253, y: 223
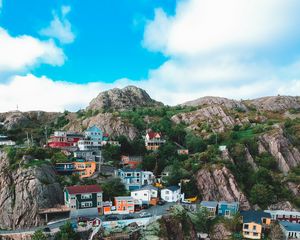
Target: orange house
x: 85, y: 169
x: 124, y: 205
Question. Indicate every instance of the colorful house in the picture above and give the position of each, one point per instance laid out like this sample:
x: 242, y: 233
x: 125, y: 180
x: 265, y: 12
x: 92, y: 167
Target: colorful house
x: 89, y: 155
x: 290, y: 230
x: 227, y: 209
x: 94, y: 133
x: 211, y: 207
x: 62, y: 139
x: 171, y: 194
x: 4, y: 141
x: 64, y: 168
x: 147, y: 194
x: 183, y: 152
x: 124, y: 205
x: 254, y: 222
x: 281, y: 215
x: 83, y: 200
x: 89, y: 145
x: 134, y: 179
x: 85, y: 169
x: 131, y: 161
x: 153, y: 140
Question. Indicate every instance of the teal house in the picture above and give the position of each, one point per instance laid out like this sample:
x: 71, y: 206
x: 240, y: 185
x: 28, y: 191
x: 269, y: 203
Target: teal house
x: 94, y: 133
x: 227, y: 209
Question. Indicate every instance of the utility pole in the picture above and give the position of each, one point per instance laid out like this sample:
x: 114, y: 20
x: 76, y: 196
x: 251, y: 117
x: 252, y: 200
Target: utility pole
x: 46, y: 135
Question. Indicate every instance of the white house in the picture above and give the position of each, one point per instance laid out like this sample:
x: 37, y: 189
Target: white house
x: 145, y: 194
x: 171, y: 194
x: 88, y: 144
x: 153, y: 140
x: 4, y: 141
x: 290, y: 230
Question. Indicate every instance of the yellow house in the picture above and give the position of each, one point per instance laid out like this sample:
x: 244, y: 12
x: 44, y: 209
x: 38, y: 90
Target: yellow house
x: 254, y: 223
x: 85, y: 169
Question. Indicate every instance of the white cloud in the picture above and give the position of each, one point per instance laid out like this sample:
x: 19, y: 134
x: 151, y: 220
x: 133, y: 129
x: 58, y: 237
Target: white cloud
x: 60, y: 27
x: 41, y: 93
x: 18, y: 53
x: 205, y: 26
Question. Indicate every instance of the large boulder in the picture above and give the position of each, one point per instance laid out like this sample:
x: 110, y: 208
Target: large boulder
x: 24, y: 191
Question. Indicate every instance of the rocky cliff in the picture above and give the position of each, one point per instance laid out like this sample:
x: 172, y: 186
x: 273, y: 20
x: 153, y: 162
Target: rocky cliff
x: 23, y: 192
x: 17, y: 119
x: 108, y: 122
x: 281, y: 148
x: 218, y: 183
x: 275, y: 103
x: 121, y: 99
x: 215, y: 116
x: 218, y: 101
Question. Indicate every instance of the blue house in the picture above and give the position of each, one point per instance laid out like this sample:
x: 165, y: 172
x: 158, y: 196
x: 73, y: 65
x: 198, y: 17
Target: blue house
x: 64, y: 168
x: 227, y: 209
x: 94, y: 133
x: 134, y: 179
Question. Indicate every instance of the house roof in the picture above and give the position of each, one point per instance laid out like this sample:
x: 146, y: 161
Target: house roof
x: 228, y: 203
x: 209, y: 204
x: 124, y: 198
x: 84, y: 189
x: 94, y: 128
x: 146, y: 187
x: 254, y: 216
x: 130, y: 170
x: 291, y: 227
x: 173, y: 188
x: 152, y: 134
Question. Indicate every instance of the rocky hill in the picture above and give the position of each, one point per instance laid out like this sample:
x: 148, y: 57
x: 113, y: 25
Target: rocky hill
x: 121, y: 99
x: 23, y: 192
x: 219, y: 101
x: 275, y: 103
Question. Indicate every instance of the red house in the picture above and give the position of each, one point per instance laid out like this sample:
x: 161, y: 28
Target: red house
x: 61, y: 139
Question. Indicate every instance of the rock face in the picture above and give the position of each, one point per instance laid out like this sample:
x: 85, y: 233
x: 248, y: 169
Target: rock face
x: 218, y: 183
x: 17, y: 119
x: 220, y: 232
x: 23, y: 192
x: 174, y: 229
x: 214, y: 115
x: 287, y: 155
x: 108, y: 122
x: 276, y: 103
x: 219, y: 101
x: 121, y: 99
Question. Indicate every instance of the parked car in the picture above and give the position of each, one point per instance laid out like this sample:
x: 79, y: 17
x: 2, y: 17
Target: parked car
x: 84, y: 219
x: 145, y: 214
x: 161, y: 202
x: 111, y: 218
x: 46, y: 229
x: 128, y: 217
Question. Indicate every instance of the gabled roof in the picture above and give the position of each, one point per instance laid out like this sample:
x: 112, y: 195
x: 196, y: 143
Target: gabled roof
x: 124, y: 198
x: 172, y: 188
x: 84, y: 189
x: 228, y: 203
x: 209, y: 204
x: 152, y: 134
x: 254, y: 216
x: 291, y: 227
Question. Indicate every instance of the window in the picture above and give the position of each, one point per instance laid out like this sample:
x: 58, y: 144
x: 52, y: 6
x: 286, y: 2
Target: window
x: 264, y: 220
x: 227, y: 213
x: 86, y: 204
x: 128, y: 174
x: 86, y: 196
x: 246, y: 226
x: 99, y: 203
x: 167, y: 192
x: 145, y: 194
x: 255, y: 234
x: 135, y: 194
x: 254, y: 228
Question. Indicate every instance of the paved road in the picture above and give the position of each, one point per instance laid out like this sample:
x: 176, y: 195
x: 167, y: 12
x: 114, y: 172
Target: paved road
x: 155, y: 211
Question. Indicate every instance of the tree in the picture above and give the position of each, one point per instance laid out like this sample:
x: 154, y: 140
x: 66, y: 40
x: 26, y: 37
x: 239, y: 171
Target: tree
x: 202, y: 221
x: 113, y: 187
x: 66, y: 233
x: 194, y: 143
x: 261, y: 195
x: 38, y: 235
x: 276, y: 232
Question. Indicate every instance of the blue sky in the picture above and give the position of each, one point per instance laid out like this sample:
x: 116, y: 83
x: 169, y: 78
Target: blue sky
x: 57, y: 55
x: 108, y: 36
